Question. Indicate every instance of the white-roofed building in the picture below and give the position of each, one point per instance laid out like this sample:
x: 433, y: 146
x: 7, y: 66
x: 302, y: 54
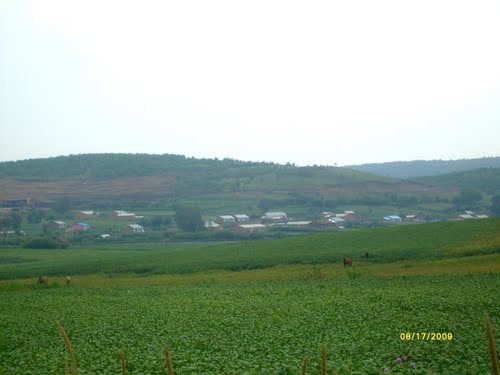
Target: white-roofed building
x: 133, y: 228
x: 298, y: 224
x: 240, y: 218
x: 213, y: 226
x: 393, y: 218
x: 249, y: 227
x: 466, y: 217
x: 56, y: 225
x: 87, y: 215
x: 346, y: 215
x: 337, y: 220
x: 274, y: 217
x: 124, y: 215
x: 225, y: 219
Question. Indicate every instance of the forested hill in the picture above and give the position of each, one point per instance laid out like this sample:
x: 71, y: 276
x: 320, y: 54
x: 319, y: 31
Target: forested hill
x: 113, y: 165
x: 421, y: 168
x: 145, y: 176
x: 105, y: 166
x: 483, y: 179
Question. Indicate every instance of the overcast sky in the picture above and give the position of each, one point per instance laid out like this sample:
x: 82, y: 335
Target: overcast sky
x: 310, y: 82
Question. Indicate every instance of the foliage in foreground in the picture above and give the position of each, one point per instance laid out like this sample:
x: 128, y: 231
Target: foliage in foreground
x: 254, y: 328
x: 405, y: 361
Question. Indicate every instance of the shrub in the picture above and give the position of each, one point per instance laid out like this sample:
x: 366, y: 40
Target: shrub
x: 46, y: 243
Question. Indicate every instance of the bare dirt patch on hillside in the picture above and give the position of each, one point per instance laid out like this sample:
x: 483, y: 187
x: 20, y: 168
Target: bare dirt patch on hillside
x: 124, y: 187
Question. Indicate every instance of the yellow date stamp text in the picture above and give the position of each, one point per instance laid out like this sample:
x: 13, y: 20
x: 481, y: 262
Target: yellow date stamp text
x: 426, y: 336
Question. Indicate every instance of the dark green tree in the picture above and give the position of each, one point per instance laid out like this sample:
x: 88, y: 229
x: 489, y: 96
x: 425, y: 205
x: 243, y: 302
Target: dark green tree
x: 470, y: 197
x: 156, y: 222
x: 62, y: 205
x: 35, y: 216
x: 189, y: 219
x: 15, y: 221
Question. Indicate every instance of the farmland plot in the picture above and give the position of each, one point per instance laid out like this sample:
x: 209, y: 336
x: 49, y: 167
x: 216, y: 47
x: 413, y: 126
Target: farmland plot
x: 254, y: 328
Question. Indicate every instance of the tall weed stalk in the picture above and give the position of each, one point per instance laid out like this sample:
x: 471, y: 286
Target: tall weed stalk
x: 68, y: 346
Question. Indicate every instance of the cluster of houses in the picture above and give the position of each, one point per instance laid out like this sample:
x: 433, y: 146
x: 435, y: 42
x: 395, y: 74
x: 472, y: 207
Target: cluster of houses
x: 115, y: 215
x: 467, y: 215
x: 241, y: 223
x: 238, y: 222
x: 57, y: 225
x: 61, y: 225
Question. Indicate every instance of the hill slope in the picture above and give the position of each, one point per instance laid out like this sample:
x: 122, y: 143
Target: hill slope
x: 484, y: 179
x: 420, y: 168
x: 142, y: 176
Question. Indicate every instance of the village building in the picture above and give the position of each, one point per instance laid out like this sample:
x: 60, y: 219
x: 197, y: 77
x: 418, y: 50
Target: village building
x: 56, y: 225
x: 17, y: 203
x: 275, y: 217
x: 213, y: 226
x: 323, y: 223
x: 225, y: 220
x: 394, y: 218
x: 249, y: 228
x: 337, y: 220
x: 298, y: 224
x: 242, y: 218
x: 124, y: 215
x: 78, y: 227
x: 465, y: 217
x: 133, y: 228
x: 85, y: 215
x: 346, y: 215
x: 13, y: 233
x: 470, y: 215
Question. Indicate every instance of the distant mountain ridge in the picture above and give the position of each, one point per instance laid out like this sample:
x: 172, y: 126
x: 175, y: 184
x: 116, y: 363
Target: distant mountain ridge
x: 424, y: 168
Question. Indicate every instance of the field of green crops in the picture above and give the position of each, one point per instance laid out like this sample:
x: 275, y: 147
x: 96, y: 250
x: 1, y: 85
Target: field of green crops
x: 259, y: 307
x: 254, y: 328
x: 400, y: 243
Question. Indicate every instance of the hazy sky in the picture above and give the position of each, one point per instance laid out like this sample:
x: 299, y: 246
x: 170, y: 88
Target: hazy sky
x: 310, y: 82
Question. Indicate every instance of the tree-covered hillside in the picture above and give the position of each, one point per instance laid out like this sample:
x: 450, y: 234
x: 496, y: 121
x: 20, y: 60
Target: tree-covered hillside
x: 420, y: 168
x: 485, y: 179
x: 190, y: 174
x: 114, y: 165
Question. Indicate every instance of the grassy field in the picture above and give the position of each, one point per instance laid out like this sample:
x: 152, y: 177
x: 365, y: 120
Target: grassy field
x: 382, y: 245
x: 259, y: 307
